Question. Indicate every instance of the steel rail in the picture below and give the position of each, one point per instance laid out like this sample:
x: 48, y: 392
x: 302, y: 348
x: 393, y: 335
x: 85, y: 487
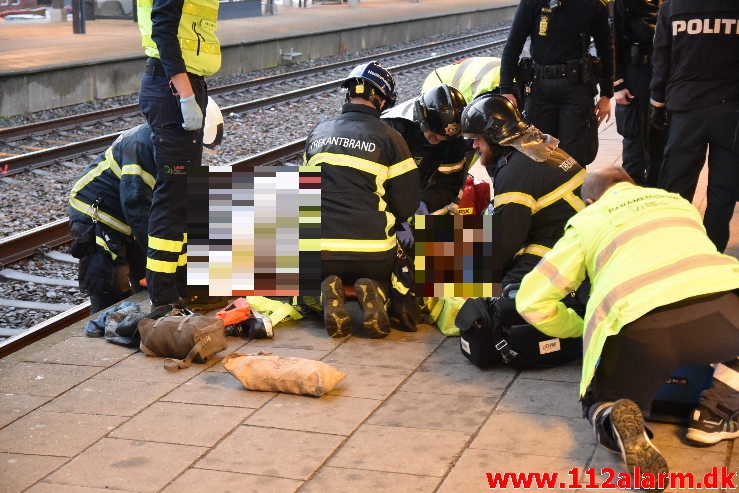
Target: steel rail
x: 22, y: 131
x: 23, y: 245
x: 46, y: 328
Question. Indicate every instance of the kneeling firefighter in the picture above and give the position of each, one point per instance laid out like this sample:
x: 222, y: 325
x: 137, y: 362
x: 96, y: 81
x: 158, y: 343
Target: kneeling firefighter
x: 109, y: 208
x: 536, y: 187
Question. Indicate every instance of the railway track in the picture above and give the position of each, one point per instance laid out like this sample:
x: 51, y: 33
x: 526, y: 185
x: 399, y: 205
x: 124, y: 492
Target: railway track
x: 41, y: 240
x: 34, y: 135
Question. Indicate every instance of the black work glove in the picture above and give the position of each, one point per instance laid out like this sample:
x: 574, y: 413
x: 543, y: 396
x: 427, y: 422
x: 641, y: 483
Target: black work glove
x: 98, y: 277
x: 405, y: 236
x: 658, y: 117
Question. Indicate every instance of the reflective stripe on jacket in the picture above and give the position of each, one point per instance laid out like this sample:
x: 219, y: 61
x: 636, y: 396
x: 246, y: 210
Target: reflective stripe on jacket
x: 196, y: 33
x: 116, y: 187
x: 642, y: 248
x: 369, y: 182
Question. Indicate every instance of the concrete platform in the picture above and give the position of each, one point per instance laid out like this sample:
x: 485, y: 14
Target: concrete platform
x: 412, y: 415
x: 44, y: 65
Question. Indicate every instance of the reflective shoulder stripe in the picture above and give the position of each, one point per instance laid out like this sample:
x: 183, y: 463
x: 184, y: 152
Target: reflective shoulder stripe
x: 642, y: 229
x: 451, y: 168
x: 137, y: 170
x: 523, y: 199
x: 112, y: 163
x: 360, y: 164
x: 561, y: 191
x: 350, y: 245
x: 199, y: 10
x: 628, y: 287
x: 401, y: 168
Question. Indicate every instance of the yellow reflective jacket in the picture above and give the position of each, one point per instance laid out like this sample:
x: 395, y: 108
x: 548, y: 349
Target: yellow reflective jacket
x: 471, y: 76
x: 642, y: 248
x: 195, y: 22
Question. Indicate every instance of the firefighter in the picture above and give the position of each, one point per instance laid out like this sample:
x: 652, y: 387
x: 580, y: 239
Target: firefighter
x: 564, y: 80
x: 430, y: 126
x: 369, y: 186
x: 109, y: 208
x: 471, y: 76
x: 633, y: 25
x: 661, y: 298
x: 180, y: 41
x: 535, y: 184
x: 702, y: 104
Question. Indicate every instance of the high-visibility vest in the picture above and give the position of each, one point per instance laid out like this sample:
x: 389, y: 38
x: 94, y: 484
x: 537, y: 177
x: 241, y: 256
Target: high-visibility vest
x: 642, y: 248
x: 200, y: 48
x: 472, y: 76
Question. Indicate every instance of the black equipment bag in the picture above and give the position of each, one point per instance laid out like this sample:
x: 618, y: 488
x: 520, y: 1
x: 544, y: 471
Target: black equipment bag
x: 492, y: 332
x: 680, y: 394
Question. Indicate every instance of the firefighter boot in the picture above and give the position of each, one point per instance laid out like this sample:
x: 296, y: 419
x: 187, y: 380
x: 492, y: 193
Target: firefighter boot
x: 374, y: 301
x: 335, y: 316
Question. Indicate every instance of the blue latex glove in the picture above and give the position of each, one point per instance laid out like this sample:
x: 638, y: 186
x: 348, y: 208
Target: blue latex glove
x: 192, y: 115
x: 423, y: 209
x: 405, y: 236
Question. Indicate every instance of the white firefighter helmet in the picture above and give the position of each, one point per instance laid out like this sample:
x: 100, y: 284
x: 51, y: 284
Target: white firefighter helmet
x: 213, y: 128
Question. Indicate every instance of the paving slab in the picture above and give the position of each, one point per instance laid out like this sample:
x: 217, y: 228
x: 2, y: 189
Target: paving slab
x: 459, y: 379
x: 182, y: 424
x: 528, y: 395
x: 60, y: 488
x: 19, y: 471
x: 52, y: 433
x: 370, y: 382
x: 109, y: 397
x: 218, y: 388
x: 381, y: 352
x: 46, y: 379
x: 451, y: 412
x: 331, y: 414
x: 553, y: 436
x: 401, y: 450
x: 342, y: 480
x: 13, y: 406
x: 83, y: 350
x: 198, y: 480
x: 127, y: 465
x: 469, y: 473
x: 256, y: 450
x: 142, y: 368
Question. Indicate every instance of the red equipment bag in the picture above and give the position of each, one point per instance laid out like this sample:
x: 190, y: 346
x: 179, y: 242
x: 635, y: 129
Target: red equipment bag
x: 475, y: 197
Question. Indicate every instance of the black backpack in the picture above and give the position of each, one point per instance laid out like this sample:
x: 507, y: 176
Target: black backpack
x: 493, y: 333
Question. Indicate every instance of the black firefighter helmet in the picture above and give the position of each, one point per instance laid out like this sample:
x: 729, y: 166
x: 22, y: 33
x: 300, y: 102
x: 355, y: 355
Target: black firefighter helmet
x: 439, y: 110
x: 494, y: 117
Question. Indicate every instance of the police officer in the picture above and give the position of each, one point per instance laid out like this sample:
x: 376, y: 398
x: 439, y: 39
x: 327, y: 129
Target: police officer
x: 471, y: 76
x: 182, y: 47
x: 633, y: 24
x: 109, y: 208
x: 695, y: 81
x: 564, y: 83
x: 430, y: 126
x: 369, y: 185
x: 536, y: 184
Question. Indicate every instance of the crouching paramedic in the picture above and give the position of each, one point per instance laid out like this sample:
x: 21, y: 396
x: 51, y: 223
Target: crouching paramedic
x: 661, y: 298
x: 369, y: 186
x: 109, y: 207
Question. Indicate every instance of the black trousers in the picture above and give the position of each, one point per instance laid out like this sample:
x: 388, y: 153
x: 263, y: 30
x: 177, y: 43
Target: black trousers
x: 635, y: 362
x: 175, y: 151
x: 566, y: 111
x: 350, y: 270
x: 713, y: 129
x: 643, y: 145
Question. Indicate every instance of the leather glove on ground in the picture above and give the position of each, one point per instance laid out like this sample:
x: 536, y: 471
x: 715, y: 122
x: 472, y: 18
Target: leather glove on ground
x: 405, y: 236
x: 423, y: 209
x: 98, y: 277
x: 192, y: 115
x: 658, y: 116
